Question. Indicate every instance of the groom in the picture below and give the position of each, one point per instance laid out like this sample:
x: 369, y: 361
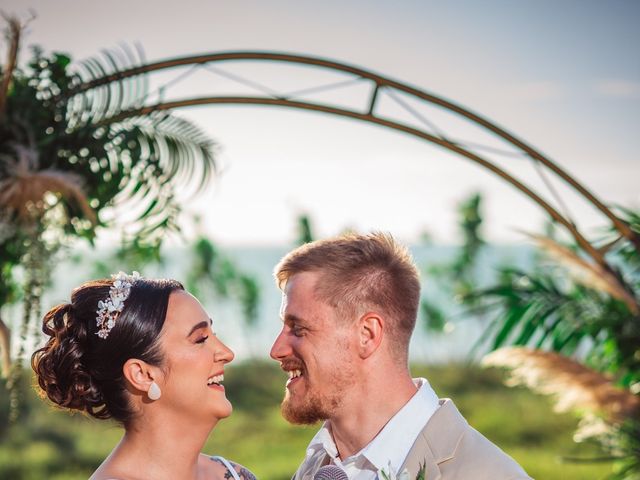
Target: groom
x: 349, y: 307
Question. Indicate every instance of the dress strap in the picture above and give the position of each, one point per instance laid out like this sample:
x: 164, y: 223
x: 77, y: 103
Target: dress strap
x: 226, y: 463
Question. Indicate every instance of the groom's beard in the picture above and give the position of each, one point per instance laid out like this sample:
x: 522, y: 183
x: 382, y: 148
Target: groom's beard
x: 316, y: 405
x: 310, y: 409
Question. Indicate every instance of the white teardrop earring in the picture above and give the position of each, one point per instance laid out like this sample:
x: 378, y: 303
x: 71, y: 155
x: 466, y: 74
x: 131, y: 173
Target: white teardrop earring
x: 154, y: 392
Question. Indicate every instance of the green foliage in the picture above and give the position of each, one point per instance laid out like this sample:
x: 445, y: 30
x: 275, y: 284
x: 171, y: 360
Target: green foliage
x: 470, y: 224
x: 137, y: 160
x: 547, y: 308
x: 129, y: 256
x: 52, y: 444
x: 459, y: 276
x: 626, y: 251
x: 305, y: 231
x: 9, y: 257
x: 91, y: 159
x: 212, y: 271
x: 434, y: 316
x: 255, y: 386
x: 627, y: 447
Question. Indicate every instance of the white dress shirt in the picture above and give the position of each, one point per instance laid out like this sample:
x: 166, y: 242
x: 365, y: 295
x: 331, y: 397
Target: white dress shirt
x: 391, y: 445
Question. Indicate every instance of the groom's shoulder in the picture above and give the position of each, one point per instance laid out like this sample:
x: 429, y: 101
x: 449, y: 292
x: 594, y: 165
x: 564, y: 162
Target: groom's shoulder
x: 478, y: 456
x: 463, y: 452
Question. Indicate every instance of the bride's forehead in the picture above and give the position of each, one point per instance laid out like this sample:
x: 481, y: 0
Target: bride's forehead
x: 184, y: 307
x: 182, y: 299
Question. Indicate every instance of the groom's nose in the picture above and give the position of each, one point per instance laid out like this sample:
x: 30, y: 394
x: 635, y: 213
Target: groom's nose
x: 280, y: 349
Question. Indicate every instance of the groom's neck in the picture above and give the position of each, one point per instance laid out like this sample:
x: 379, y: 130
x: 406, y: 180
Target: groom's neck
x: 367, y: 408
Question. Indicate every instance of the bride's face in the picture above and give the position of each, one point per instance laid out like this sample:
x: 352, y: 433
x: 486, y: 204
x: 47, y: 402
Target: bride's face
x: 194, y: 361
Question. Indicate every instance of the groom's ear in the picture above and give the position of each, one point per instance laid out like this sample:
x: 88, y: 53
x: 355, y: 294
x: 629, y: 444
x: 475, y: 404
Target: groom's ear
x: 370, y: 333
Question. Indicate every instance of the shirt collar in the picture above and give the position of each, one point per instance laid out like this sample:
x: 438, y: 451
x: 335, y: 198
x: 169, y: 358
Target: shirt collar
x: 323, y: 441
x: 395, y: 440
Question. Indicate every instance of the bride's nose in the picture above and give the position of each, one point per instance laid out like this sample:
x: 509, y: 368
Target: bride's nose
x: 222, y: 353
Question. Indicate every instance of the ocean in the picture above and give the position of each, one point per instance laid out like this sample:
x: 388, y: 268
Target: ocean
x: 454, y: 344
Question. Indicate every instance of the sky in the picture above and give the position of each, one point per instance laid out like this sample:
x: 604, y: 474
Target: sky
x: 563, y: 76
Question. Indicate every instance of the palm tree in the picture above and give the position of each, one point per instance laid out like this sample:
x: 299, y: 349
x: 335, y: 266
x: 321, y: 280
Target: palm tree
x: 576, y: 332
x: 70, y: 163
x: 564, y: 327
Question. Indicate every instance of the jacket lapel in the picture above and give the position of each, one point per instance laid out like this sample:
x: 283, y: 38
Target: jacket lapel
x: 421, y: 456
x: 437, y: 442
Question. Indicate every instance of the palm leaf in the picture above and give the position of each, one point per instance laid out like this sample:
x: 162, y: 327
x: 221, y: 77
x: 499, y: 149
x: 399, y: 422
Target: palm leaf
x: 136, y: 164
x: 589, y: 274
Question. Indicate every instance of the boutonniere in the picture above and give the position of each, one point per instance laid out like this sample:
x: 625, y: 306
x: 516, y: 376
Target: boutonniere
x: 390, y: 474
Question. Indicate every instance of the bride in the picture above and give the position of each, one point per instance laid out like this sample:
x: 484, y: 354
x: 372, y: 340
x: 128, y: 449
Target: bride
x: 142, y: 352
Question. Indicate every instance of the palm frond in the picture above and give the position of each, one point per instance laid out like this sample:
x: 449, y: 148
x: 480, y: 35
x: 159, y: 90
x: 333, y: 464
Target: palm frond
x: 152, y: 156
x: 525, y: 305
x: 588, y: 274
x: 627, y: 250
x: 111, y: 98
x: 145, y: 164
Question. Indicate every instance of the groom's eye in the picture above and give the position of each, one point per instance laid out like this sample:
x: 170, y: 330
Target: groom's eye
x: 298, y: 331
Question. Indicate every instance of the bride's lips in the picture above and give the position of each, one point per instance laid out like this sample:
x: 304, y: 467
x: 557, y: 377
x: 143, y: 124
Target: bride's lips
x: 215, y: 381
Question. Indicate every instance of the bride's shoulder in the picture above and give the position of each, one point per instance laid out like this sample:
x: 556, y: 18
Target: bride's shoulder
x: 226, y: 469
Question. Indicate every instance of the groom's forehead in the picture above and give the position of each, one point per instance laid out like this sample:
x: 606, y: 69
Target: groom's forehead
x: 283, y: 305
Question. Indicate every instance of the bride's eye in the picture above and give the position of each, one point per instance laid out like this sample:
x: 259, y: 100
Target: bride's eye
x: 202, y: 339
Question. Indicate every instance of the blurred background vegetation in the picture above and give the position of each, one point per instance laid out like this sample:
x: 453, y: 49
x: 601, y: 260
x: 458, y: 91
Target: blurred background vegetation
x: 74, y: 160
x: 52, y: 444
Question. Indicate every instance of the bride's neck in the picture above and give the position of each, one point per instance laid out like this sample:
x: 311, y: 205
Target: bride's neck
x: 165, y: 447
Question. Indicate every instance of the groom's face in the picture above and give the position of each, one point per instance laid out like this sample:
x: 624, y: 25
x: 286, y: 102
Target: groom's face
x: 315, y: 349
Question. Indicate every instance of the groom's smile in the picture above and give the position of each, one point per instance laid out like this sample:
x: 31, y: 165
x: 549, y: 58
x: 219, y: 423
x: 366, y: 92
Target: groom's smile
x: 294, y: 370
x: 293, y: 376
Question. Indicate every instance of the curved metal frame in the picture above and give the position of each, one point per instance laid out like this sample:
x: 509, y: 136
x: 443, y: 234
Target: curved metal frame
x: 381, y: 82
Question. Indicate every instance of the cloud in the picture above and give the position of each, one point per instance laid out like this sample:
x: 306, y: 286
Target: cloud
x: 618, y: 88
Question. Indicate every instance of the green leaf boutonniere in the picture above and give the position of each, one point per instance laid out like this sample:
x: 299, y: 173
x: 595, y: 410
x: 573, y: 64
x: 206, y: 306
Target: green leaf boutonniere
x: 390, y: 474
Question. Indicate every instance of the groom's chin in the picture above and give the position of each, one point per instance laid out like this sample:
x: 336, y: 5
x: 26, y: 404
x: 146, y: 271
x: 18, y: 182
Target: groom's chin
x: 299, y: 414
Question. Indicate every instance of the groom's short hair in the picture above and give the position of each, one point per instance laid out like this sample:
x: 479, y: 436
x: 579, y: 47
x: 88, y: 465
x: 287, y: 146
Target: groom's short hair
x: 360, y: 273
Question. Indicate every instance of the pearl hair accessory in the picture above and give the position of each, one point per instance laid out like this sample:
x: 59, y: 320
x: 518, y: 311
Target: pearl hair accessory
x: 154, y: 392
x: 109, y: 309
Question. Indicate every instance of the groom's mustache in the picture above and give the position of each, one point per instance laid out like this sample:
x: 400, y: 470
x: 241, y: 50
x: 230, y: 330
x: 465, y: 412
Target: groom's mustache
x: 291, y: 365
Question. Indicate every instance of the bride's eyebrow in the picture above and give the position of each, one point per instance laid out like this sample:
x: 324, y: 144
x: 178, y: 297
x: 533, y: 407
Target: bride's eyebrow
x: 197, y: 326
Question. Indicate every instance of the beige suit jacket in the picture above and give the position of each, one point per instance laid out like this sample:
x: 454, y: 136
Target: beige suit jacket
x: 448, y: 448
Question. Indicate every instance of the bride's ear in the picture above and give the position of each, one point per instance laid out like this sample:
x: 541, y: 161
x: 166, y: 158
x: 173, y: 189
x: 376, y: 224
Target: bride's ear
x: 139, y: 374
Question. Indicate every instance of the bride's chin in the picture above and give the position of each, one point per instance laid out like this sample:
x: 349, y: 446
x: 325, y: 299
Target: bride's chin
x: 223, y: 411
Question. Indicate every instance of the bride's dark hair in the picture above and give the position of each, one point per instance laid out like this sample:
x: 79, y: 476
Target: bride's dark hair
x: 78, y: 370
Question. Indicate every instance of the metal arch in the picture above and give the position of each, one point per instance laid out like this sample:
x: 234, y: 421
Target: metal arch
x: 380, y: 82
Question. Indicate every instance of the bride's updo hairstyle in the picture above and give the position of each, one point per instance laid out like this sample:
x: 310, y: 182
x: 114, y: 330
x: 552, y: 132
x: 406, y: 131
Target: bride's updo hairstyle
x: 79, y: 370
